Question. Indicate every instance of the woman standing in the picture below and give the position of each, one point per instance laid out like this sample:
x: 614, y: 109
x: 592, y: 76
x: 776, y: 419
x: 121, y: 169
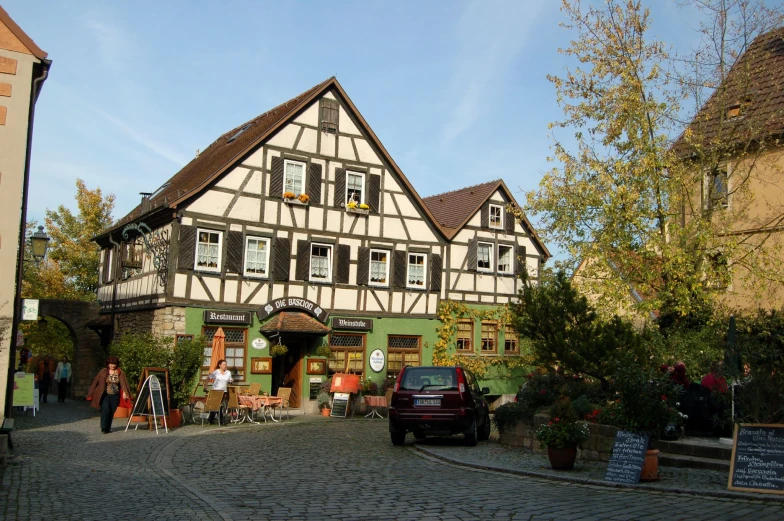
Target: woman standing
x: 105, y: 392
x: 62, y: 376
x: 45, y: 373
x: 221, y: 378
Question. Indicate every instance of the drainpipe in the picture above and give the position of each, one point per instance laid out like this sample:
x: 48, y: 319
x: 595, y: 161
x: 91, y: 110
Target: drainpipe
x: 34, y: 91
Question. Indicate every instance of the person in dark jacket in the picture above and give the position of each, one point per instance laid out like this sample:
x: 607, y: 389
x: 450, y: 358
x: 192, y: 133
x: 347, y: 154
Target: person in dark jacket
x: 105, y: 392
x: 46, y: 369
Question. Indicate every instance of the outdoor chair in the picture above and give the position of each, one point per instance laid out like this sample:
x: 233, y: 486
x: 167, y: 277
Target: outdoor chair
x: 234, y: 405
x: 285, y: 394
x: 214, y: 404
x: 254, y: 389
x: 388, y: 396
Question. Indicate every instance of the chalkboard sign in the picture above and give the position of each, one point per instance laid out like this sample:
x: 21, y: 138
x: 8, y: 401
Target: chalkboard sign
x: 156, y: 395
x: 163, y: 377
x: 628, y: 456
x: 315, y: 387
x: 757, y: 459
x: 340, y: 404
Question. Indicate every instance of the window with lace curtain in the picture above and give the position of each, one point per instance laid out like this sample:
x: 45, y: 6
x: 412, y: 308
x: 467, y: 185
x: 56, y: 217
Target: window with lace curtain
x: 484, y: 256
x: 208, y: 250
x: 416, y: 270
x: 294, y: 177
x: 320, y: 263
x: 379, y: 268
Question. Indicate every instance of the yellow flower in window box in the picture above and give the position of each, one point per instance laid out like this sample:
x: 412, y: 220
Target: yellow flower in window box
x: 352, y: 205
x: 363, y: 206
x: 304, y: 198
x: 289, y: 195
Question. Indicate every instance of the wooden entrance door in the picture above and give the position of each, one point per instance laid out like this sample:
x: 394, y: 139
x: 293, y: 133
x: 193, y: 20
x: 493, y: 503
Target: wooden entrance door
x: 293, y: 376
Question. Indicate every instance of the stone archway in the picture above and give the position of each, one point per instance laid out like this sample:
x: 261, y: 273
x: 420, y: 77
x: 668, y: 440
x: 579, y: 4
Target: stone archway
x: 80, y: 318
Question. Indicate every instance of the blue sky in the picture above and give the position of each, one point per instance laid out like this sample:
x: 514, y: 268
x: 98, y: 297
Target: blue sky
x: 456, y: 90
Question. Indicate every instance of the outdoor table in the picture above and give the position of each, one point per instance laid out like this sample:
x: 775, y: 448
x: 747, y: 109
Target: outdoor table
x: 375, y: 402
x: 260, y: 403
x: 254, y: 402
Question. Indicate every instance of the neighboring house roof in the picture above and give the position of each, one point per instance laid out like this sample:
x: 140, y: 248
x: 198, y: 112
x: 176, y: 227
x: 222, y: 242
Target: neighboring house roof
x: 294, y: 322
x: 755, y: 85
x: 223, y: 153
x: 25, y: 40
x: 452, y: 210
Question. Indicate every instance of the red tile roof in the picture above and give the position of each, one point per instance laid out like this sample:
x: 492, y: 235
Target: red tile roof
x: 453, y: 209
x: 294, y: 322
x: 756, y: 83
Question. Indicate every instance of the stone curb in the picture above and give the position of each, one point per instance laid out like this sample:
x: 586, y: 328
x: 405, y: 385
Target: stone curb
x: 729, y: 494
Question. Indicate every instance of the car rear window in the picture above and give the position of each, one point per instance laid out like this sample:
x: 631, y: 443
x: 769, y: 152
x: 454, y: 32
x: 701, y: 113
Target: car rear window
x: 429, y: 378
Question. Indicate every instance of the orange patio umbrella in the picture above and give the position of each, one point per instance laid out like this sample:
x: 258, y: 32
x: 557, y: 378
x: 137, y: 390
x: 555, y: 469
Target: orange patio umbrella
x: 218, y: 349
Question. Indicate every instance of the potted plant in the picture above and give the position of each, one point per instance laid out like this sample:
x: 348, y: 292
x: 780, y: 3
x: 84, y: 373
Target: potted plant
x: 304, y: 198
x: 278, y: 350
x: 561, y: 435
x: 289, y: 196
x: 355, y: 207
x: 324, y: 403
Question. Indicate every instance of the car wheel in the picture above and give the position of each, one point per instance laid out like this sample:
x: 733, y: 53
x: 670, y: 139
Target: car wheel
x: 471, y: 435
x: 419, y: 435
x: 484, y: 432
x: 398, y: 438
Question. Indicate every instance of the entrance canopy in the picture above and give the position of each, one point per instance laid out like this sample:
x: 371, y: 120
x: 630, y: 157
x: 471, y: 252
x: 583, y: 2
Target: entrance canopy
x: 295, y: 322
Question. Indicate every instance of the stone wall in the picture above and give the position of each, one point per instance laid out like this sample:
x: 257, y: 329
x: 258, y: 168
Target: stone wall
x: 597, y: 448
x: 168, y: 321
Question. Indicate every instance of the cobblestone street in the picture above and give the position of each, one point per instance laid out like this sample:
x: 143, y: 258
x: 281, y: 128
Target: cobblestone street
x: 307, y: 468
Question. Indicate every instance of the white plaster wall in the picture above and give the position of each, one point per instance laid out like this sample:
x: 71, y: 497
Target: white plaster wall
x: 345, y: 298
x: 329, y: 95
x: 406, y: 207
x: 366, y: 153
x: 420, y: 231
x: 295, y: 290
x: 485, y: 283
x: 457, y: 255
x: 345, y: 149
x: 390, y: 183
x: 465, y: 282
x: 310, y: 115
x: 213, y: 284
x: 256, y: 159
x: 285, y: 137
x: 475, y: 220
x: 260, y: 297
x: 230, y: 291
x: 532, y: 266
x: 197, y: 291
x: 397, y: 302
x: 432, y: 304
x: 326, y: 297
x: 374, y: 226
x: 312, y: 293
x: 254, y: 185
x: 270, y: 212
x: 393, y: 228
x: 471, y: 297
x: 299, y: 216
x: 333, y: 221
x: 462, y: 237
x: 487, y: 299
x: 247, y: 288
x: 420, y: 308
x: 307, y: 143
x: 498, y: 197
x: 327, y: 144
x: 277, y: 291
x: 180, y: 285
x: 371, y: 304
x: 389, y: 205
x: 258, y: 229
x: 187, y: 221
x: 211, y: 203
x: 235, y: 227
x: 506, y: 285
x: 246, y: 209
x: 346, y: 126
x: 502, y: 299
x: 316, y: 219
x: 233, y: 179
x: 486, y: 235
x: 285, y: 216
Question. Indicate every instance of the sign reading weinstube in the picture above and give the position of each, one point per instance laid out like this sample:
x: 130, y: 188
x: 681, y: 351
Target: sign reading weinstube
x: 30, y: 309
x: 226, y: 317
x: 359, y: 324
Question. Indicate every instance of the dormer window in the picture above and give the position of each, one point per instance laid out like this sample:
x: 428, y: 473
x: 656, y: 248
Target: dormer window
x: 733, y: 111
x: 329, y: 113
x: 496, y: 216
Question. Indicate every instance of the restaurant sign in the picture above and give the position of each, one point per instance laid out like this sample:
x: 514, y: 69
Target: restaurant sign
x: 359, y: 324
x: 377, y: 360
x: 300, y: 304
x: 227, y: 317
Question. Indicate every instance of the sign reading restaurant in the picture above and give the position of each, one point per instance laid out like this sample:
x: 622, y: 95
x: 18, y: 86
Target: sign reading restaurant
x: 227, y: 317
x: 359, y: 324
x: 300, y: 304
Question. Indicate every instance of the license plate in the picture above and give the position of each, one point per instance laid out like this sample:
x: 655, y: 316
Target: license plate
x: 433, y: 402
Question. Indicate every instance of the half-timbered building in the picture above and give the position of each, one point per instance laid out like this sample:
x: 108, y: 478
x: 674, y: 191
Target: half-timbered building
x: 298, y: 228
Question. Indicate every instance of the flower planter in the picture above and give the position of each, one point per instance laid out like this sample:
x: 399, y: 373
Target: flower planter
x: 326, y: 412
x: 174, y: 419
x: 562, y: 458
x: 295, y: 202
x: 650, y: 467
x: 358, y: 211
x: 122, y: 412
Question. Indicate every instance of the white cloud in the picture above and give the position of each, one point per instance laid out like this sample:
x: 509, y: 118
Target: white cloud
x: 491, y: 38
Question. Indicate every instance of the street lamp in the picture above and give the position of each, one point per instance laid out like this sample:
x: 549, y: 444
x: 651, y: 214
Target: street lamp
x: 39, y: 242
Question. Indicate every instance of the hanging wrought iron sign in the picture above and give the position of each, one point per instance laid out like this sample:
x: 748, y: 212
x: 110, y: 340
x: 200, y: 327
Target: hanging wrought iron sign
x: 156, y: 244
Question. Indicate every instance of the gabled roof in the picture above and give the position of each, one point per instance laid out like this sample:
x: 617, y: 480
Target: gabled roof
x: 17, y: 31
x: 452, y: 210
x: 756, y: 84
x: 224, y: 153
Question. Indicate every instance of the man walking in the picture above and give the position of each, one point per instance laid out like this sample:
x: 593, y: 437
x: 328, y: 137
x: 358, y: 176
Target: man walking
x: 45, y: 373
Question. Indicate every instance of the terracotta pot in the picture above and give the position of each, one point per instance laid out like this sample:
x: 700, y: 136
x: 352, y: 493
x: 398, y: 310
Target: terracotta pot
x: 174, y: 419
x: 122, y: 412
x: 139, y: 419
x: 650, y: 467
x: 562, y: 458
x: 326, y: 412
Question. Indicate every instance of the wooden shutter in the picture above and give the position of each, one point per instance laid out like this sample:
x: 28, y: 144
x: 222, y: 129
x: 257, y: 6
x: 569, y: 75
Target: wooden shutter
x: 339, y: 200
x: 509, y: 223
x: 485, y: 216
x: 282, y: 259
x: 105, y: 267
x: 303, y: 260
x: 314, y: 183
x: 520, y: 261
x: 373, y: 192
x: 234, y: 247
x: 187, y: 251
x: 363, y: 266
x: 436, y: 266
x: 399, y: 267
x: 472, y: 244
x: 343, y: 265
x: 276, y: 178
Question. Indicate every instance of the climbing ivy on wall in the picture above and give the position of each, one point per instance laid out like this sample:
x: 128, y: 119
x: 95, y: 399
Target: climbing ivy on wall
x: 444, y: 349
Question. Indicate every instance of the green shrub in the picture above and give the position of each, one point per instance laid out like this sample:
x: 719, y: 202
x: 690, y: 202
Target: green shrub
x: 583, y: 407
x: 137, y: 351
x: 185, y: 369
x: 509, y: 414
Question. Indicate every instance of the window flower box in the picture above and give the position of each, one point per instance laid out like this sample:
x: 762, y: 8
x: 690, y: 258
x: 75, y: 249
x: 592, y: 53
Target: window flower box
x: 358, y: 211
x: 295, y: 201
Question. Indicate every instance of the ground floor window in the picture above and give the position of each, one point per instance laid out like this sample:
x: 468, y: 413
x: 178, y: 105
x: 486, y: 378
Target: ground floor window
x: 236, y: 346
x: 402, y: 351
x: 489, y: 337
x: 348, y: 353
x: 465, y: 335
x: 511, y: 340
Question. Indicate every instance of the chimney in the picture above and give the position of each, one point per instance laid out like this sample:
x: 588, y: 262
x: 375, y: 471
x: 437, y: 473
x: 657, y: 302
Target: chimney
x: 145, y: 201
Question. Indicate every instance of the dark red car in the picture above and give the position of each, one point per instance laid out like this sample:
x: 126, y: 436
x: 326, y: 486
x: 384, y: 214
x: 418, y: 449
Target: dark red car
x: 438, y: 401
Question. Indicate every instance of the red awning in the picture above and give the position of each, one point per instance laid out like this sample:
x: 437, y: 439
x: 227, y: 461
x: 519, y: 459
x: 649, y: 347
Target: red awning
x: 294, y: 322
